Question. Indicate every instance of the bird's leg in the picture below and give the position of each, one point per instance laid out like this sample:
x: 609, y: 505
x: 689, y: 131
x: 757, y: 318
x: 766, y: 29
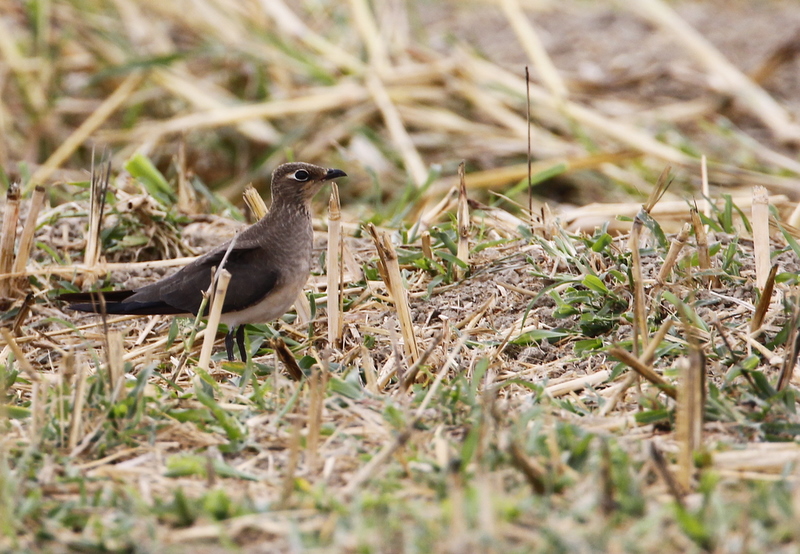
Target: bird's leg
x: 240, y: 342
x: 229, y: 345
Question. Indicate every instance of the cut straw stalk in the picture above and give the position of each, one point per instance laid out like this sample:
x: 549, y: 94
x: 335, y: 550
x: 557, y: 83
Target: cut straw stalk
x: 76, y: 416
x: 7, y: 239
x: 116, y: 368
x: 529, y: 38
x: 760, y: 222
x: 463, y: 223
x: 370, y: 36
x: 672, y: 255
x: 640, y: 334
x: 427, y: 249
x: 512, y: 174
x: 206, y: 95
x: 791, y: 348
x: 330, y: 98
x: 288, y: 22
x: 727, y: 76
x: 316, y: 404
x: 670, y: 214
x: 637, y: 277
x: 29, y: 82
x: 99, y: 186
x: 644, y: 370
x: 487, y: 73
x: 23, y: 362
x: 220, y: 291
x: 390, y: 272
x: 690, y: 413
x: 28, y: 231
x: 254, y: 202
x: 646, y: 359
x: 397, y: 131
x: 703, y: 256
x: 580, y: 383
x: 103, y: 112
x: 705, y: 187
x: 334, y: 269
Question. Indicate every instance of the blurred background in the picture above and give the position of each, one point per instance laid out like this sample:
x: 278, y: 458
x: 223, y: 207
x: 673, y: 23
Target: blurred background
x: 398, y: 92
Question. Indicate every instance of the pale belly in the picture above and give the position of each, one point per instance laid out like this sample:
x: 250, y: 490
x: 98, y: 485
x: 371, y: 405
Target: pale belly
x: 273, y: 306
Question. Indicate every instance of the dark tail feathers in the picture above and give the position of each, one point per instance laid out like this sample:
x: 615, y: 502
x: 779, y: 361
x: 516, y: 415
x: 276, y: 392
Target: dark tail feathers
x: 113, y: 302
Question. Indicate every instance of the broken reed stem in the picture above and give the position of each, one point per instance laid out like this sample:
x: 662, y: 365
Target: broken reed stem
x: 463, y: 223
x: 389, y: 269
x: 689, y: 413
x: 703, y: 257
x: 186, y: 196
x: 637, y: 286
x: 370, y: 374
x: 254, y: 202
x: 704, y: 187
x: 213, y: 318
x: 760, y: 222
x: 427, y: 250
x: 764, y: 301
x: 7, y: 238
x: 644, y: 370
x: 459, y: 529
x: 534, y: 472
x: 334, y: 268
x: 116, y: 368
x: 791, y: 347
x: 22, y: 314
x: 285, y: 355
x: 529, y: 151
x: 28, y: 231
x: 640, y: 331
x: 672, y: 255
x: 99, y: 186
x: 411, y: 375
x: 560, y: 389
x: 38, y: 401
x: 663, y: 470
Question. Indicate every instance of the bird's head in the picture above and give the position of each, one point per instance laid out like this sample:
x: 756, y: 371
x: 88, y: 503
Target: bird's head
x: 300, y: 181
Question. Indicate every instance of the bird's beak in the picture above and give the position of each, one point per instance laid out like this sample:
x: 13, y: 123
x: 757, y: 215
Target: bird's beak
x: 334, y: 174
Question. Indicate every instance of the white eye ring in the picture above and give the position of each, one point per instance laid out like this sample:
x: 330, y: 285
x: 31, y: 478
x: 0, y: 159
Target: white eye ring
x: 301, y: 175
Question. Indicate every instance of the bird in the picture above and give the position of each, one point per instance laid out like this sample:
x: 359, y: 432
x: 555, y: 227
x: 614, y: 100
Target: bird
x: 269, y: 263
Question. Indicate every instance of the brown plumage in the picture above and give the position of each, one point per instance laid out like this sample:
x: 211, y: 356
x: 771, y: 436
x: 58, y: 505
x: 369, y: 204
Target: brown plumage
x: 269, y: 264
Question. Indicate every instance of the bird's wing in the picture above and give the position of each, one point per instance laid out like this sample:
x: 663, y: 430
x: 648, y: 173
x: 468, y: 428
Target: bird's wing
x: 182, y: 292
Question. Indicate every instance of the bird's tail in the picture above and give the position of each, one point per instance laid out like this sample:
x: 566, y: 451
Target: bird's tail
x: 113, y: 302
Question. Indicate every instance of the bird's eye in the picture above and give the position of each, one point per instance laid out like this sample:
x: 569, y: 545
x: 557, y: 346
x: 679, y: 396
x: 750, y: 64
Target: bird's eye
x: 301, y: 175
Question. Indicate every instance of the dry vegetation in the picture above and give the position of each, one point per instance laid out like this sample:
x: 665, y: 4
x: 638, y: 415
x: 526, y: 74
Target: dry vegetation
x: 604, y: 377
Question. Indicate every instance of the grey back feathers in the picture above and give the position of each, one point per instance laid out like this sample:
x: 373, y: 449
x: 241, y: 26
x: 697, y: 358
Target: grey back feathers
x: 269, y: 262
